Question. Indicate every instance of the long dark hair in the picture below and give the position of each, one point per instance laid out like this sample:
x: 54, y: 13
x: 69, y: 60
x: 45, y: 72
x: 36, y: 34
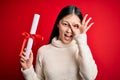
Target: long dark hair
x: 64, y: 12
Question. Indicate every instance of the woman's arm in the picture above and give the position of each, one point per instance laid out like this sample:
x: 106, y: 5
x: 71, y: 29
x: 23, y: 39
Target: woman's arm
x: 27, y: 68
x: 87, y: 65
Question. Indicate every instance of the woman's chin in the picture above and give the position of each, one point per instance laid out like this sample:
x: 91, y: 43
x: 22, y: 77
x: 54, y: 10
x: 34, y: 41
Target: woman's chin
x: 67, y: 41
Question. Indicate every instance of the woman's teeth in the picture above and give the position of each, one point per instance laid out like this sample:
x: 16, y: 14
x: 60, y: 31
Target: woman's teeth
x: 67, y: 35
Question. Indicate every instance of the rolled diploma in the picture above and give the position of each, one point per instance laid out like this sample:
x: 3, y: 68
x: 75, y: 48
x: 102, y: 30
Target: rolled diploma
x: 32, y: 31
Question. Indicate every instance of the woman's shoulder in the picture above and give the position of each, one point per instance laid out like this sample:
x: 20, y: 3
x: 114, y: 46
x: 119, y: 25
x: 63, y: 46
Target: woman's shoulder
x: 44, y: 48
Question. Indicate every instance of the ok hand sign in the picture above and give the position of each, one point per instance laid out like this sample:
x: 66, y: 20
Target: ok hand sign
x: 84, y: 26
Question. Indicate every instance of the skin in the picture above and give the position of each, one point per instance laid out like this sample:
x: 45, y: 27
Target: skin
x: 69, y: 26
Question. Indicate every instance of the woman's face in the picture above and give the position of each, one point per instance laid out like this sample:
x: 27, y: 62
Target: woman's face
x: 66, y: 26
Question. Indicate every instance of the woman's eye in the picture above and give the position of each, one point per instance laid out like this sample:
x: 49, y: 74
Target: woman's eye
x: 65, y: 24
x: 76, y: 26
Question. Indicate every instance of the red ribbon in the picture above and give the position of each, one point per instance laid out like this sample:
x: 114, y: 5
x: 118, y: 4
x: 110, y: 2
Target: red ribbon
x: 27, y: 35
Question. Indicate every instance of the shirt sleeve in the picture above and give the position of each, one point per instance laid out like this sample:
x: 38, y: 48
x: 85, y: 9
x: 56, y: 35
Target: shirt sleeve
x: 88, y: 68
x: 37, y: 74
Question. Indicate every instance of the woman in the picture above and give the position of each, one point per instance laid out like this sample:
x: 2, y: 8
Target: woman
x: 67, y: 56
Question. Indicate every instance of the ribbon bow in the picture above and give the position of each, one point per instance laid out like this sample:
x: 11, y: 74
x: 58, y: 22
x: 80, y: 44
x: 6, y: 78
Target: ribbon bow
x: 27, y: 35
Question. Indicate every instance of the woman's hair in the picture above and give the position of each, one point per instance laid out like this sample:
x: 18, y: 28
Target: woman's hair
x: 64, y: 12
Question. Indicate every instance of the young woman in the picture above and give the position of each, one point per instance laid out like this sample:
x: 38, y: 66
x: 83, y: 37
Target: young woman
x: 67, y: 56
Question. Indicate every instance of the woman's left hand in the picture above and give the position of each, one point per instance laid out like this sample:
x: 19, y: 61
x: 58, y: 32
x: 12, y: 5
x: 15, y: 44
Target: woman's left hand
x: 84, y: 26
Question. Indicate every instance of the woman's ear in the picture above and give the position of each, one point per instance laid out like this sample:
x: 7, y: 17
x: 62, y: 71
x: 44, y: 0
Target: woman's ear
x: 58, y: 25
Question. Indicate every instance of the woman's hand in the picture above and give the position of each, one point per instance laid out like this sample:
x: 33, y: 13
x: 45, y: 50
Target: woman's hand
x: 84, y: 26
x: 26, y: 63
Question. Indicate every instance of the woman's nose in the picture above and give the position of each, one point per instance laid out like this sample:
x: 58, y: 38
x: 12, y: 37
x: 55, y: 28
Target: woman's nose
x: 69, y: 30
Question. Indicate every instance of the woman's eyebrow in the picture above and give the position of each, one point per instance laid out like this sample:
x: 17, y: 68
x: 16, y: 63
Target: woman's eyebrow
x: 65, y: 21
x: 78, y: 23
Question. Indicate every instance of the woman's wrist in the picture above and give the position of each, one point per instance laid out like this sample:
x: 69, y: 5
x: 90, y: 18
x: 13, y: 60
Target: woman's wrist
x: 26, y: 67
x: 81, y: 38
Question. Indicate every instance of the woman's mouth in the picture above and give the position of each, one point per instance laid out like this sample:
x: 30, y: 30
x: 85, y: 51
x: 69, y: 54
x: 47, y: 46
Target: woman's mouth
x: 68, y: 37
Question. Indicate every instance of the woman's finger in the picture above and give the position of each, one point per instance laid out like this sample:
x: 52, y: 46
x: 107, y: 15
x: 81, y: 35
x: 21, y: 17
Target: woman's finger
x: 86, y: 23
x: 24, y: 54
x: 23, y: 57
x: 22, y: 60
x: 24, y: 50
x: 84, y: 19
x: 89, y: 26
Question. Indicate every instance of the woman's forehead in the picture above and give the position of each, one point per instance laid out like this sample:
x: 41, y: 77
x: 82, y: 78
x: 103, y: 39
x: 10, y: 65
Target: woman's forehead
x: 71, y: 18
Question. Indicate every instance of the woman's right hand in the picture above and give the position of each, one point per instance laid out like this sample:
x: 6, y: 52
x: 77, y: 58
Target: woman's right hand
x: 26, y: 63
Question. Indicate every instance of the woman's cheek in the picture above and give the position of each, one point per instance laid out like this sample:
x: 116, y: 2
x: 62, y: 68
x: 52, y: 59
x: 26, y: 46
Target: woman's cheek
x: 76, y: 31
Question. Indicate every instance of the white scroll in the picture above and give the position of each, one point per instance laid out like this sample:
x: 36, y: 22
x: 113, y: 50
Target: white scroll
x: 32, y: 31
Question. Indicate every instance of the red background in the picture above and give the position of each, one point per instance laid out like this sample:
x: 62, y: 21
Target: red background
x: 103, y: 38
